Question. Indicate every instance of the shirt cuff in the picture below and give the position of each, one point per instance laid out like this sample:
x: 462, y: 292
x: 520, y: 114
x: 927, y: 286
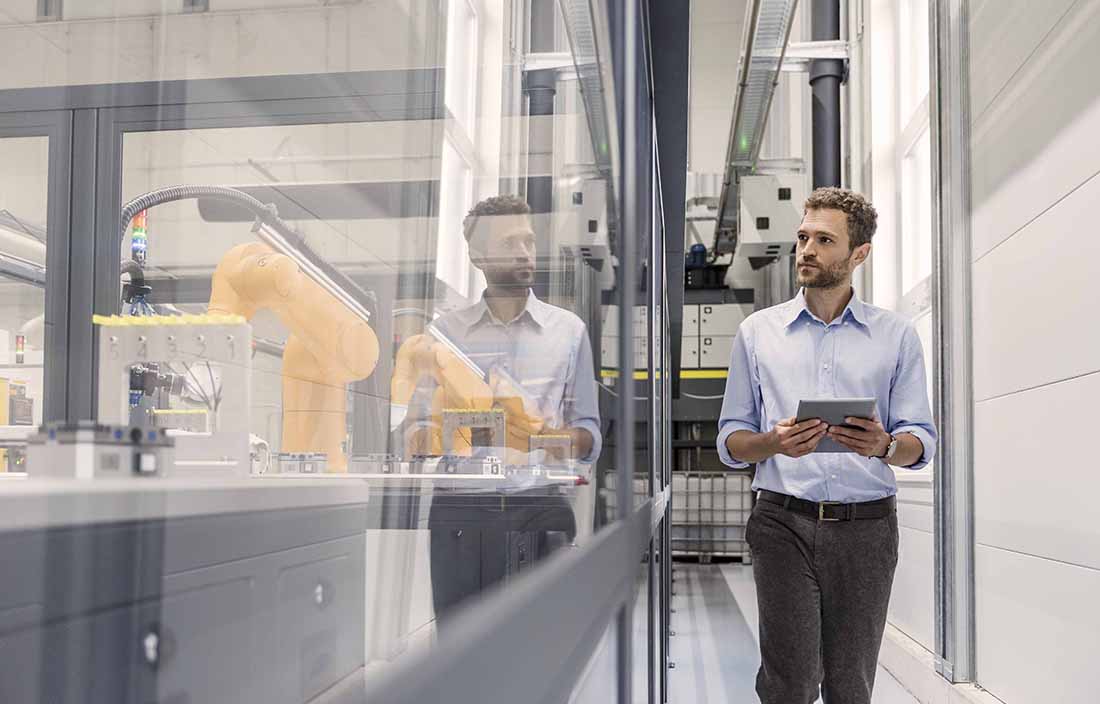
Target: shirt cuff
x: 728, y: 428
x: 926, y: 442
x: 593, y: 429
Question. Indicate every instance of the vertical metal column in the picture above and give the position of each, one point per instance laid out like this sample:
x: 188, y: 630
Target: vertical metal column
x: 632, y: 202
x: 81, y: 369
x: 825, y: 78
x: 949, y: 102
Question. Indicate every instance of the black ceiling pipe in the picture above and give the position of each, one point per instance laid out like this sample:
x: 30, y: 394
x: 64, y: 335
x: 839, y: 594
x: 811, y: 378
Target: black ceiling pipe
x: 540, y: 87
x: 826, y: 76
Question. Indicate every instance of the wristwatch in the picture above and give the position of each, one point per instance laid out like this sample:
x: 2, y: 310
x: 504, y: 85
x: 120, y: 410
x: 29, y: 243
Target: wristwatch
x: 890, y: 449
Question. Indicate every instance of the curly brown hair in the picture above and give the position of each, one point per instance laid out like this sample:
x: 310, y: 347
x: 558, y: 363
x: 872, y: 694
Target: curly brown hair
x: 496, y: 205
x: 862, y: 217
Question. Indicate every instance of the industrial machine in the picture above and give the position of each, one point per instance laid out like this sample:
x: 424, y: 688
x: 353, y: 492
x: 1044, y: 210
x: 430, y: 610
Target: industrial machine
x: 218, y: 347
x: 329, y: 345
x: 88, y: 450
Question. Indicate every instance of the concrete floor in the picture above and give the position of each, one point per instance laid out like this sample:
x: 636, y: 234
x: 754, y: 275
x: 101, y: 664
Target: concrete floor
x: 715, y: 647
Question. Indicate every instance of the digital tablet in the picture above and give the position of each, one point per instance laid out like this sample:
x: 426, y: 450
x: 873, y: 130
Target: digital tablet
x: 833, y: 411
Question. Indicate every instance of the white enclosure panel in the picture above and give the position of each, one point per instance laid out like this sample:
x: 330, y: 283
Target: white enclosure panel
x: 1002, y: 37
x: 1039, y: 141
x: 1038, y: 628
x: 1021, y: 453
x: 1035, y: 302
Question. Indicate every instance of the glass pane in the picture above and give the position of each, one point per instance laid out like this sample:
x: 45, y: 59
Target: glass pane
x: 599, y: 682
x: 23, y: 208
x: 640, y: 653
x: 353, y: 381
x: 916, y: 207
x: 403, y: 313
x: 914, y: 57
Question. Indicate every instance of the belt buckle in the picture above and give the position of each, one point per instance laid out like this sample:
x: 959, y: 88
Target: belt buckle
x: 821, y: 511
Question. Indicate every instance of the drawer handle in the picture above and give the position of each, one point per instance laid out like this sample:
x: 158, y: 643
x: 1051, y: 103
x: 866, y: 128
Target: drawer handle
x: 150, y: 646
x: 157, y: 647
x: 322, y: 595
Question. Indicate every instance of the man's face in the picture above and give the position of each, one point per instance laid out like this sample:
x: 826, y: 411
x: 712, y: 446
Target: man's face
x: 824, y: 256
x: 503, y: 247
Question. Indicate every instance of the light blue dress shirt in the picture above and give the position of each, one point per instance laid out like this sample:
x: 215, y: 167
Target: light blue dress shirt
x: 785, y: 354
x: 546, y: 349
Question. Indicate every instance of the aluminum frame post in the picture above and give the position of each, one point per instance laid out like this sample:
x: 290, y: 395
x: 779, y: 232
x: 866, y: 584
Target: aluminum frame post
x: 949, y: 103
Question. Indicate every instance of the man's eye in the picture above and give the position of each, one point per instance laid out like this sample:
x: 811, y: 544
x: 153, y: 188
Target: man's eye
x: 802, y: 238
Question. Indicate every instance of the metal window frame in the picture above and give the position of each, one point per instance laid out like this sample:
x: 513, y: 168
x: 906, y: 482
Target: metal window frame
x: 949, y: 102
x: 90, y: 122
x: 57, y: 126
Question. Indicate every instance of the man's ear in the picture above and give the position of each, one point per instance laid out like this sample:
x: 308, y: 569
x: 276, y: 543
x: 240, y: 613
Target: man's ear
x: 477, y: 258
x: 861, y: 254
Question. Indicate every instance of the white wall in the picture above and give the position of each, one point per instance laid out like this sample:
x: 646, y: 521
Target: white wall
x: 1036, y: 155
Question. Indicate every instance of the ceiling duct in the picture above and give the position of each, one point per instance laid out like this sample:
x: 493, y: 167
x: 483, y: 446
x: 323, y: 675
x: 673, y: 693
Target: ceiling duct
x: 764, y: 45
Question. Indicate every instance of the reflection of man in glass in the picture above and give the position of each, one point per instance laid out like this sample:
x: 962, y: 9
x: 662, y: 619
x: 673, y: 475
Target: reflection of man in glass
x: 539, y: 361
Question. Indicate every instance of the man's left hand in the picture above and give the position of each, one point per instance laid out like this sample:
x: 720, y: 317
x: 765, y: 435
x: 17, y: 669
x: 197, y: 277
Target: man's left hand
x: 868, y: 438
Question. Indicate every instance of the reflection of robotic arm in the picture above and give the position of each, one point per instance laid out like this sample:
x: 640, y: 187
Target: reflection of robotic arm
x: 458, y: 387
x: 328, y: 347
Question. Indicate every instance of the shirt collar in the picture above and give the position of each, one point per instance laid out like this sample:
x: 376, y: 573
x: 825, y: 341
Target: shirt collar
x: 534, y: 310
x: 796, y: 308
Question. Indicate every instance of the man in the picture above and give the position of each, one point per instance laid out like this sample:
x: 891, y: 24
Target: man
x: 824, y: 529
x: 543, y: 350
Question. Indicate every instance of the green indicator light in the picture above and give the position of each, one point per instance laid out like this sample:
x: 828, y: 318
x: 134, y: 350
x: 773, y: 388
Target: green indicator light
x: 744, y: 143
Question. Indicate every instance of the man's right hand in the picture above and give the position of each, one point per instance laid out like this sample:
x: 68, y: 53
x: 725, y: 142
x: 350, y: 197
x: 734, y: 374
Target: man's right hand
x: 797, y: 439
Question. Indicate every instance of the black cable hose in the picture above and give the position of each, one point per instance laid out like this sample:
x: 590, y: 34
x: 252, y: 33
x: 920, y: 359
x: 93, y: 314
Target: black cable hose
x: 266, y: 213
x: 133, y: 268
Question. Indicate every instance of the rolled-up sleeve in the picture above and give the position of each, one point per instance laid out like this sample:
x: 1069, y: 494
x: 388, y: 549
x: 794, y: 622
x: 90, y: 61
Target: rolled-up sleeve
x: 910, y: 411
x: 582, y: 408
x: 741, y: 400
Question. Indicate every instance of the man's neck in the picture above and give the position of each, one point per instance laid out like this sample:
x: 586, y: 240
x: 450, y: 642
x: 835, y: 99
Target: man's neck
x: 828, y: 303
x: 506, y: 303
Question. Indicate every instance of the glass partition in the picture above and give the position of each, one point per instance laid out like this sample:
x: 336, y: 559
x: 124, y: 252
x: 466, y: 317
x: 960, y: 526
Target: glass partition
x: 355, y: 350
x: 24, y: 185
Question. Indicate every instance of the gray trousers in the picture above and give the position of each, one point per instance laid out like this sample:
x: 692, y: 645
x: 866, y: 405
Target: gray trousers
x: 823, y: 589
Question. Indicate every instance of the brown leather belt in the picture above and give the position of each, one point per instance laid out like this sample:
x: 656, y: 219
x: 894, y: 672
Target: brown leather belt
x: 830, y: 510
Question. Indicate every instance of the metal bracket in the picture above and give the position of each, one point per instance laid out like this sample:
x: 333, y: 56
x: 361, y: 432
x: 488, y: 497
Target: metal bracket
x: 799, y: 54
x: 560, y: 61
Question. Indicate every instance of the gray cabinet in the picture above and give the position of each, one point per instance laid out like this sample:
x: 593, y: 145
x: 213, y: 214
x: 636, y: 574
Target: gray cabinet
x: 265, y: 606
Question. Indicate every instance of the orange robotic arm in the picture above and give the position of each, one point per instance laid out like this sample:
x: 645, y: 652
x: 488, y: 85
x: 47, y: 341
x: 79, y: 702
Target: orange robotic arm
x: 458, y: 387
x: 328, y: 347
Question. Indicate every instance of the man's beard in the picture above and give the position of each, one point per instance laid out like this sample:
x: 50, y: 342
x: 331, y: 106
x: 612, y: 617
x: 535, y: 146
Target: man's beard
x: 510, y: 279
x: 821, y: 277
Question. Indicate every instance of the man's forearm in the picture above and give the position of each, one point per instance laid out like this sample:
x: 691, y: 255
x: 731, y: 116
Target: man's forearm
x: 747, y: 446
x: 910, y: 450
x: 582, y: 442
